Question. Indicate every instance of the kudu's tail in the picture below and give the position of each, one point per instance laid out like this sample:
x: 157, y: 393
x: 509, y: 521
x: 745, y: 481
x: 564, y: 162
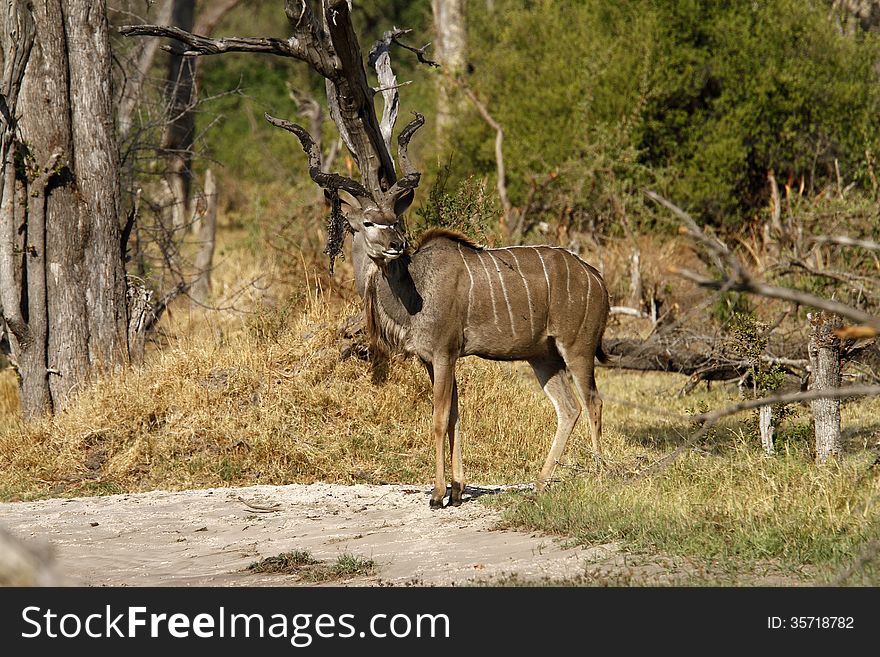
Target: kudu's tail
x: 600, y: 352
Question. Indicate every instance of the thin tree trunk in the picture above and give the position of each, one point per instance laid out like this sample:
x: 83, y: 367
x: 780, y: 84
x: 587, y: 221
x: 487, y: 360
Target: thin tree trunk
x: 824, y: 349
x: 133, y: 86
x: 180, y: 126
x: 201, y: 287
x: 450, y: 44
x: 765, y: 424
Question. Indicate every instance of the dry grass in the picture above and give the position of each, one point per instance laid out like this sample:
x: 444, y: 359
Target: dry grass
x: 270, y: 403
x: 8, y: 394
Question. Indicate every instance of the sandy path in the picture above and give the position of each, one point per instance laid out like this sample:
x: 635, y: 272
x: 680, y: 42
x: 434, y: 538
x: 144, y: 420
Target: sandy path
x: 209, y: 537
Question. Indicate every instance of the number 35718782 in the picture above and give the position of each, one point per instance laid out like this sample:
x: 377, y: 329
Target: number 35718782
x: 811, y: 622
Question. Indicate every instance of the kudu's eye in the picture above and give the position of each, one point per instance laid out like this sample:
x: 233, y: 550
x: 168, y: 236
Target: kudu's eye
x: 368, y: 224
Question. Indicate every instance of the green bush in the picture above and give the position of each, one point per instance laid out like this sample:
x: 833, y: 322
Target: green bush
x: 699, y: 98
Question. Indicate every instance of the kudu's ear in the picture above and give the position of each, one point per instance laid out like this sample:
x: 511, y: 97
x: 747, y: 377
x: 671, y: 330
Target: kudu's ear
x: 402, y: 202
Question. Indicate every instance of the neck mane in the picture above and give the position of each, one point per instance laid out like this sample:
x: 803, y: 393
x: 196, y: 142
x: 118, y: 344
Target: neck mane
x: 434, y: 234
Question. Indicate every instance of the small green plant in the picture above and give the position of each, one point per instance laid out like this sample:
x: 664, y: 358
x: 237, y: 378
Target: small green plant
x: 469, y: 209
x: 350, y: 565
x: 748, y: 340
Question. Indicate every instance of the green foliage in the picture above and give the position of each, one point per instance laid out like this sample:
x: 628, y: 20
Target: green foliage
x: 729, y: 305
x: 698, y: 98
x: 302, y: 564
x: 748, y: 337
x: 470, y: 209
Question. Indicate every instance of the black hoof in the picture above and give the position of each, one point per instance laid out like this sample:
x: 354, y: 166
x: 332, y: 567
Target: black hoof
x: 436, y: 504
x: 455, y: 494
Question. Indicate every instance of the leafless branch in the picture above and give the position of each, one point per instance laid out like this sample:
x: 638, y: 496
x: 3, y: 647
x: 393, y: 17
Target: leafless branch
x: 420, y: 52
x: 846, y: 241
x: 132, y: 89
x: 737, y: 279
x: 784, y: 294
x: 297, y: 48
x: 500, y: 171
x: 411, y: 177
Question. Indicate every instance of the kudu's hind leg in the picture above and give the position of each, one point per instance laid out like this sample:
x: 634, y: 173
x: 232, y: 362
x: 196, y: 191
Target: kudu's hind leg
x: 582, y: 371
x: 556, y: 383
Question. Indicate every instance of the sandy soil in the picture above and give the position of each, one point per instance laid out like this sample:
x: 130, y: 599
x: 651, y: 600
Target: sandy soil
x: 209, y: 537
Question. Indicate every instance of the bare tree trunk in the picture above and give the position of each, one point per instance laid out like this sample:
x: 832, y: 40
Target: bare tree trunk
x: 765, y: 424
x: 824, y: 349
x: 635, y: 279
x: 133, y: 84
x: 450, y: 44
x: 201, y: 287
x: 62, y: 281
x: 181, y: 123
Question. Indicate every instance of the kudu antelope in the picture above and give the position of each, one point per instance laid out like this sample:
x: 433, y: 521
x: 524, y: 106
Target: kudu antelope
x: 448, y: 297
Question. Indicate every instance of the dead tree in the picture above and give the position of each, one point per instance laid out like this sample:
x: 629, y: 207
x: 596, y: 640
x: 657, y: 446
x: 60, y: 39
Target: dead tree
x: 825, y: 370
x: 62, y: 280
x: 323, y: 37
x: 201, y: 287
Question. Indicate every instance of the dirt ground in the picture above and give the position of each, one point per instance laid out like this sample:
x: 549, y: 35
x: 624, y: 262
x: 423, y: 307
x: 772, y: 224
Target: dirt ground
x: 209, y: 537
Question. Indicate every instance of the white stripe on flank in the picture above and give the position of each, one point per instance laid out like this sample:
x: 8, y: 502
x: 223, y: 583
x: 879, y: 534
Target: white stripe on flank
x: 504, y: 290
x: 528, y: 292
x: 471, y: 288
x: 546, y: 275
x: 491, y: 289
x: 567, y: 278
x: 589, y: 291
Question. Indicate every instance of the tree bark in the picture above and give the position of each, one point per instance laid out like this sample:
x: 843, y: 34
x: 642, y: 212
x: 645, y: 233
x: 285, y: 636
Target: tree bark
x: 64, y: 298
x: 450, y: 32
x: 824, y: 351
x: 765, y: 424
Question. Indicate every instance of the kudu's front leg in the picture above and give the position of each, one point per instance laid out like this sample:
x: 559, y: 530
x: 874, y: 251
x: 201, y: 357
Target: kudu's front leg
x: 454, y: 433
x: 443, y: 377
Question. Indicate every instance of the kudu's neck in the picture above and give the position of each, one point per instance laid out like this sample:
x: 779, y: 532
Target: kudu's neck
x: 361, y: 264
x: 391, y: 297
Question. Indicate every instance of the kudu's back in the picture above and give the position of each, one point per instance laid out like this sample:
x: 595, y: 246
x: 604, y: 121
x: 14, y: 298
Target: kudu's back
x: 511, y: 303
